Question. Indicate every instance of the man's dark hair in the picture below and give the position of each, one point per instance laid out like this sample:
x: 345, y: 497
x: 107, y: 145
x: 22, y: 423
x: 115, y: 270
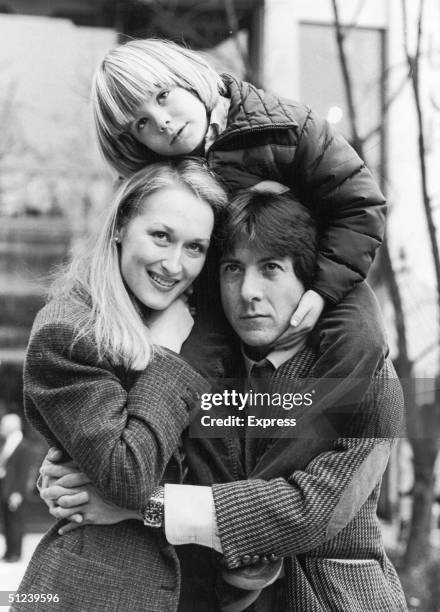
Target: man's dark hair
x: 275, y: 223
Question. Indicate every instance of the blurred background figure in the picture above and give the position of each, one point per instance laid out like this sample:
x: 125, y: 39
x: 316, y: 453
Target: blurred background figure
x: 15, y: 460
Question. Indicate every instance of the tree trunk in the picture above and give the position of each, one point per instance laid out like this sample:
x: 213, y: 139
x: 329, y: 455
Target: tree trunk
x: 419, y: 546
x: 423, y: 427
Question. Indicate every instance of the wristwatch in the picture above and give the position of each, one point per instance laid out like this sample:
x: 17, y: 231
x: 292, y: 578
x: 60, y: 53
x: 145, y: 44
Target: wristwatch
x: 154, y: 511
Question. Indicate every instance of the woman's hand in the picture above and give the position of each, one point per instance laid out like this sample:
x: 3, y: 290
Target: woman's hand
x: 68, y: 494
x: 172, y: 326
x: 91, y: 508
x: 303, y: 320
x: 58, y: 479
x: 65, y: 474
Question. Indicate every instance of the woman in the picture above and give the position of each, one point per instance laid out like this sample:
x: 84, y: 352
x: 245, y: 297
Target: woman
x: 98, y: 385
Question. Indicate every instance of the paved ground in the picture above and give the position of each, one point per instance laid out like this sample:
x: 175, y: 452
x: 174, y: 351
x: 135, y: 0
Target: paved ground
x: 11, y: 573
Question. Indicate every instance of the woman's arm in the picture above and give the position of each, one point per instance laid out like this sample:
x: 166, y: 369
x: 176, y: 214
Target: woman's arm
x: 121, y: 438
x: 272, y: 518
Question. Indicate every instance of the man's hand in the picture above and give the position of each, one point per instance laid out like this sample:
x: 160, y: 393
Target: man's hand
x: 270, y: 187
x: 15, y: 500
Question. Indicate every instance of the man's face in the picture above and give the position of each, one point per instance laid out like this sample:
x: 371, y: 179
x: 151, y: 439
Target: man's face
x: 260, y: 292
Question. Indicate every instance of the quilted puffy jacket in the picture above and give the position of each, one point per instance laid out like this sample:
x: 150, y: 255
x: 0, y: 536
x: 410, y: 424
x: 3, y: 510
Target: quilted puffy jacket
x: 269, y: 138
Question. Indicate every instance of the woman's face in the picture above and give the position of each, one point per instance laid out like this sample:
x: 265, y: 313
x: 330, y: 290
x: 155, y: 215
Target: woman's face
x: 163, y: 249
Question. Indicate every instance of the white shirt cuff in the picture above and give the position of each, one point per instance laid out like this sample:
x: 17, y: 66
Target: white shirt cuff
x: 190, y: 516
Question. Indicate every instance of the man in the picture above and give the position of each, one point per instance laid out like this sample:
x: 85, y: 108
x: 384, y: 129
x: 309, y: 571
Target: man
x: 293, y: 515
x: 14, y: 472
x: 311, y: 499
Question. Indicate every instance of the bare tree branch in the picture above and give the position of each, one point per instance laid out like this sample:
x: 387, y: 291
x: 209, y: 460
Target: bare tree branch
x: 431, y: 348
x: 354, y: 20
x: 387, y: 104
x: 419, y: 28
x: 423, y: 433
x: 405, y: 28
x: 413, y: 62
x: 385, y: 257
x: 348, y: 85
x: 231, y: 16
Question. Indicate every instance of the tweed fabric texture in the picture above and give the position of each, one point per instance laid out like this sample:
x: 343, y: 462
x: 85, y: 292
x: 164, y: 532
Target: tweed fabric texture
x: 321, y: 517
x: 122, y: 429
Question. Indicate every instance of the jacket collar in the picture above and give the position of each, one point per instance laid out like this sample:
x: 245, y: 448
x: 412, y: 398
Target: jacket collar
x: 254, y: 109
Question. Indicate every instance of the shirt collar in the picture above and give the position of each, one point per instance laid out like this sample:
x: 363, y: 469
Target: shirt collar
x: 217, y: 121
x: 276, y: 358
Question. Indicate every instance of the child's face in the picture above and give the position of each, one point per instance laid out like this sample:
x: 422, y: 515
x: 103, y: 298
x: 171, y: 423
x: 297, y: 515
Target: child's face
x: 172, y: 121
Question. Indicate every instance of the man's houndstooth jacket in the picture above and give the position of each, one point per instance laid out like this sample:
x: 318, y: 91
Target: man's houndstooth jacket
x: 321, y: 516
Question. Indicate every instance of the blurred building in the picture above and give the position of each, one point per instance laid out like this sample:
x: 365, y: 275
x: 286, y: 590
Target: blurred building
x: 51, y: 177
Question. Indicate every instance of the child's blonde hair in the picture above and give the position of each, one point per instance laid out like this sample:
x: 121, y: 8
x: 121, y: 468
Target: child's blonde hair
x: 127, y: 76
x: 93, y: 277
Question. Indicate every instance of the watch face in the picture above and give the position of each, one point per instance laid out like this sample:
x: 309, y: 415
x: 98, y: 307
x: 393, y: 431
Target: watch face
x: 153, y: 514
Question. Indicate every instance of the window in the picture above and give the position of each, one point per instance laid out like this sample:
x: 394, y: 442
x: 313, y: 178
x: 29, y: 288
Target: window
x: 322, y: 87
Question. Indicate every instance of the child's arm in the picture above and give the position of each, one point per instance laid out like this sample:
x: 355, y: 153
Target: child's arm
x: 334, y: 182
x: 303, y: 320
x: 331, y: 179
x: 352, y: 341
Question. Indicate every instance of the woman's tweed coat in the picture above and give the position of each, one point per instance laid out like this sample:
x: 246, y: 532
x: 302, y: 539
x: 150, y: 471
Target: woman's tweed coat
x: 122, y: 429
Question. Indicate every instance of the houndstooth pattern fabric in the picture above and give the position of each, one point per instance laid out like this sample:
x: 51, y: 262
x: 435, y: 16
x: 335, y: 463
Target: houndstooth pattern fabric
x: 321, y: 518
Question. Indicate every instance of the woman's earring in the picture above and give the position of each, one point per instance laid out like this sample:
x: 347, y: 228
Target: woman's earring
x: 116, y: 239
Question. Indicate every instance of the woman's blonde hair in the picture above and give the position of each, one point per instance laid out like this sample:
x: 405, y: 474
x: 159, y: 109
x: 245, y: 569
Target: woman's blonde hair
x: 93, y: 277
x: 127, y: 76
